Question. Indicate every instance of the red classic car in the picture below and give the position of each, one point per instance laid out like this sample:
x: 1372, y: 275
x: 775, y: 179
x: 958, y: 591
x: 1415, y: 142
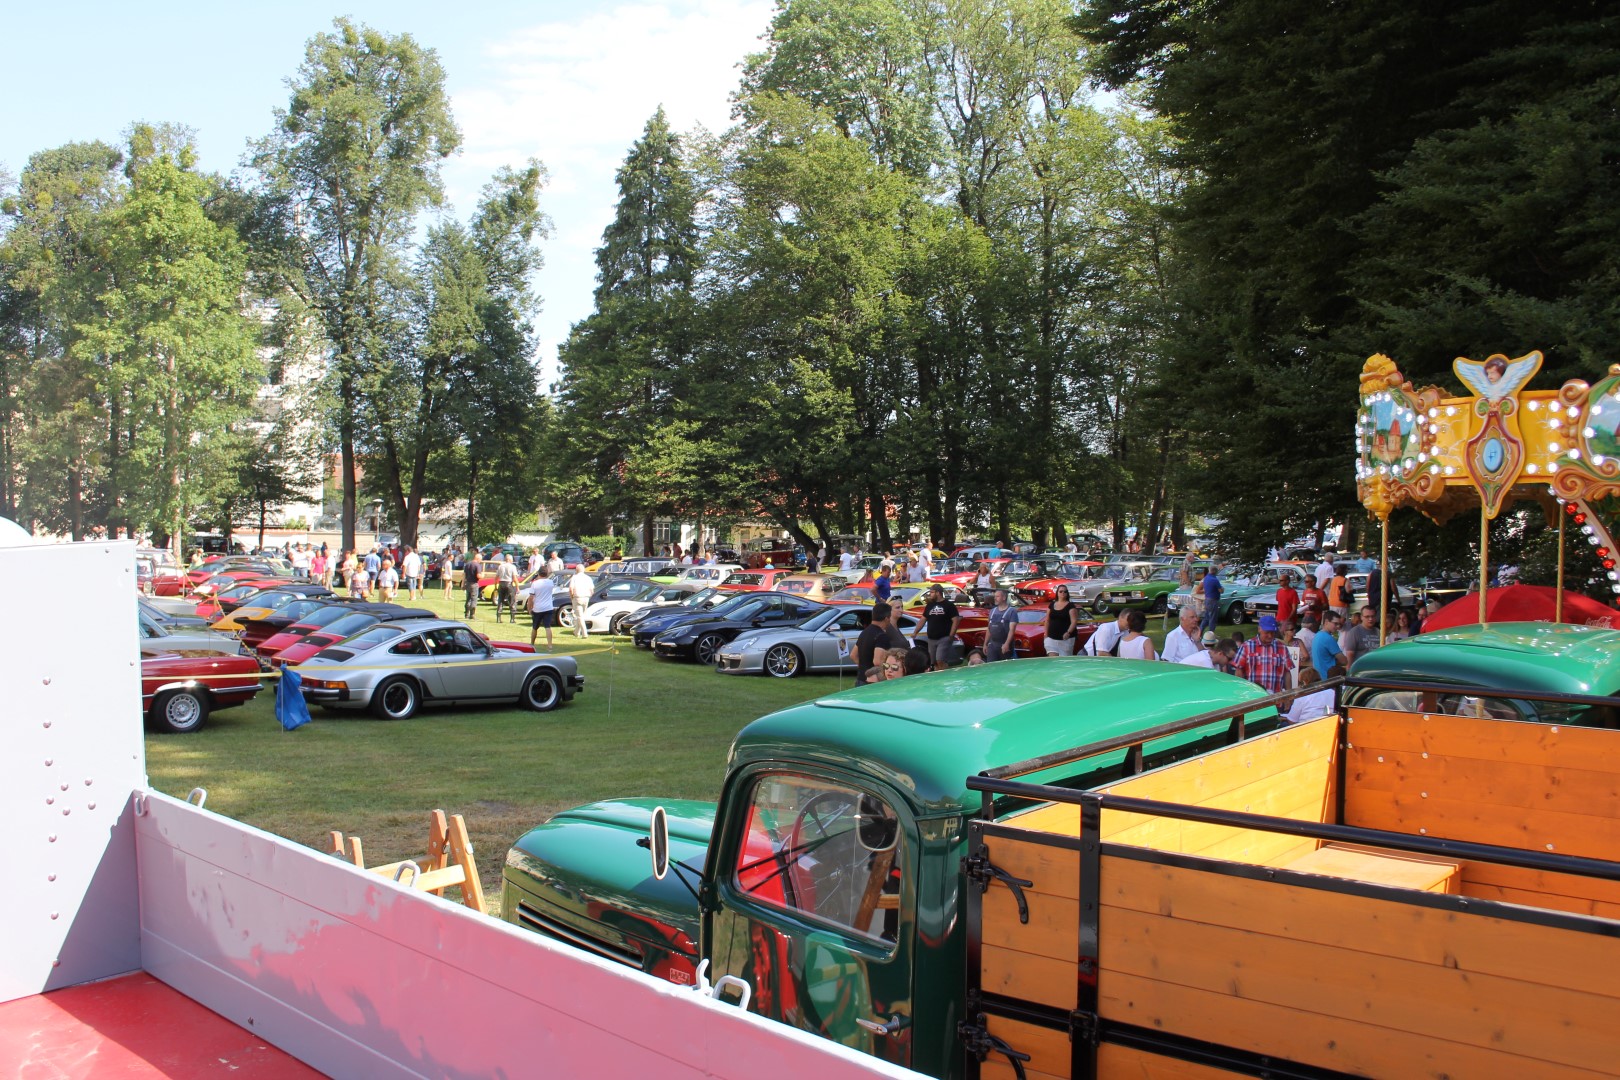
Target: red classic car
x: 755, y: 580
x: 179, y: 689
x: 1030, y: 636
x: 307, y: 624
x: 1041, y: 590
x: 287, y: 648
x: 230, y: 599
x: 964, y: 579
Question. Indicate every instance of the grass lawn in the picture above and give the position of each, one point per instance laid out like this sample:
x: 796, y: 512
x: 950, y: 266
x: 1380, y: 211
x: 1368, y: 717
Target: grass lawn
x: 642, y: 726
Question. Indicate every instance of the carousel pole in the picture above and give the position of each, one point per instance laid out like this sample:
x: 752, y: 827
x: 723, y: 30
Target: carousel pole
x: 1383, y: 580
x: 1558, y: 597
x: 1484, y: 560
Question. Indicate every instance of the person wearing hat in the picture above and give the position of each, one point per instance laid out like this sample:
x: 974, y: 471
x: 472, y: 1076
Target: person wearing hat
x: 1265, y: 661
x: 1182, y: 642
x: 1215, y: 654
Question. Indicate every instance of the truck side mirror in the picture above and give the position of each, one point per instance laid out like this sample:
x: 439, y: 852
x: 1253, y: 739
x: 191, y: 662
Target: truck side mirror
x: 658, y: 835
x: 875, y: 825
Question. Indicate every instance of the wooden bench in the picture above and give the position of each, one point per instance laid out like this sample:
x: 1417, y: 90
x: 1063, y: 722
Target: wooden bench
x: 1378, y: 866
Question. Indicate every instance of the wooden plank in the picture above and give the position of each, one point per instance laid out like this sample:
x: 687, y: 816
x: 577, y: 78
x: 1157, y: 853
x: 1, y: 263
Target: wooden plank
x: 1326, y: 1041
x: 1053, y: 928
x: 1531, y: 785
x: 1440, y: 735
x: 461, y: 850
x: 1467, y: 943
x: 1539, y: 1022
x: 1578, y: 905
x: 1270, y: 798
x: 1128, y: 1063
x: 1020, y: 975
x: 995, y: 1067
x: 1380, y: 868
x: 1515, y: 877
x: 1429, y: 813
x: 1048, y: 1049
x: 1054, y: 870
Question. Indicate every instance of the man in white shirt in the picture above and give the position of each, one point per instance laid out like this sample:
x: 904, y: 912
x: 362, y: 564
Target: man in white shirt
x: 554, y: 566
x: 580, y: 588
x: 1324, y: 573
x: 540, y: 599
x: 846, y: 561
x: 413, y: 573
x: 1107, y: 636
x: 1215, y: 654
x: 925, y: 561
x: 300, y: 561
x: 1182, y: 642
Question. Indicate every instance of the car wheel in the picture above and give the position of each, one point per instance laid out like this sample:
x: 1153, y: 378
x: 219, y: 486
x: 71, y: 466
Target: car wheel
x: 1160, y: 606
x: 1236, y: 615
x: 395, y: 699
x: 616, y: 624
x: 707, y: 648
x: 565, y: 618
x: 179, y: 712
x: 542, y: 692
x: 783, y: 662
x: 1101, y: 607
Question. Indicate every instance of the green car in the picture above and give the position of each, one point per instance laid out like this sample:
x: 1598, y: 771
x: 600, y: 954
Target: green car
x: 1537, y: 657
x: 1152, y: 595
x: 1238, y: 584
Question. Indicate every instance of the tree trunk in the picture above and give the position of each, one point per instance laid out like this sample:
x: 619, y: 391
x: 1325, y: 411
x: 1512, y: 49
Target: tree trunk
x: 880, y: 520
x: 1003, y: 515
x: 1178, y: 528
x: 1160, y: 493
x: 647, y: 525
x: 346, y: 466
x: 472, y: 498
x: 263, y: 511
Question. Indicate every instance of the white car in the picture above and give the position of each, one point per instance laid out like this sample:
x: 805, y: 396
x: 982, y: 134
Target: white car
x: 614, y: 601
x: 697, y: 577
x: 156, y: 638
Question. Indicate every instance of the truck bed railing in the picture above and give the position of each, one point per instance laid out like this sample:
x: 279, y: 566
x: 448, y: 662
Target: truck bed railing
x: 1470, y: 691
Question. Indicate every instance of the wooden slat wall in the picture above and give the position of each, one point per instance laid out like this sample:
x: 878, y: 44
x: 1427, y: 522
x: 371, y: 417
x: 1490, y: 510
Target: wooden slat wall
x: 1533, y: 786
x: 1126, y: 1063
x: 1287, y: 773
x: 1049, y: 1051
x: 1357, y: 984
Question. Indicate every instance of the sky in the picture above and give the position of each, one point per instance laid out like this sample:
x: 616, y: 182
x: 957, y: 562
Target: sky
x: 572, y: 84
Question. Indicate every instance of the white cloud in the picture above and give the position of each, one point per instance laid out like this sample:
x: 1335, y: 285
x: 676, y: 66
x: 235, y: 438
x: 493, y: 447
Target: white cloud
x: 576, y: 93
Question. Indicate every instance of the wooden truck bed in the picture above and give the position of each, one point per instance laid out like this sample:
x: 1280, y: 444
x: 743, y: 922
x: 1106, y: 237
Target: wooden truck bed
x: 1261, y: 910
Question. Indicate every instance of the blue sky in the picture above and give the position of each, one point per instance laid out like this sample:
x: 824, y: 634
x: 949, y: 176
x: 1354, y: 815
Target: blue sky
x: 570, y: 83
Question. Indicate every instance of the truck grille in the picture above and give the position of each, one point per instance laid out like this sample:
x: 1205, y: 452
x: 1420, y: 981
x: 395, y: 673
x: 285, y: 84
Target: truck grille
x: 530, y: 916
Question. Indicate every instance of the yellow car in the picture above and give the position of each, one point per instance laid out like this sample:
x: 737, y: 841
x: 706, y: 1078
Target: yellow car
x: 268, y: 602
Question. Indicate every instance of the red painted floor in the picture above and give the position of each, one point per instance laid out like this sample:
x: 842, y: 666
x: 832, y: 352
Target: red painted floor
x: 131, y: 1027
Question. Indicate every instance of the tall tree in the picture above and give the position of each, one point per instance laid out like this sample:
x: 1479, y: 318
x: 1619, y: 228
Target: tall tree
x: 357, y: 152
x: 623, y: 366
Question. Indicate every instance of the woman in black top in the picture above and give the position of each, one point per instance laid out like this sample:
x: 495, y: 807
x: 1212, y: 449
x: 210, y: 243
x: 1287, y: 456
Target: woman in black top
x: 1060, y: 624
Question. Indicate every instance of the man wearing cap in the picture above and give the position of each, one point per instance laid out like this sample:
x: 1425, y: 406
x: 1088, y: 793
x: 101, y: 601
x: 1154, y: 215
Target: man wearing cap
x: 1182, y: 642
x: 1265, y: 661
x: 1216, y: 654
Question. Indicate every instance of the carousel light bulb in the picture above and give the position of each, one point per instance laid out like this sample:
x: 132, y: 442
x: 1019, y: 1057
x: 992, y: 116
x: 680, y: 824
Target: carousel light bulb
x: 1574, y: 454
x: 1614, y: 575
x: 1614, y: 588
x: 1586, y: 529
x: 1598, y: 459
x: 1532, y: 468
x: 1589, y: 432
x: 1451, y: 410
x: 1450, y: 470
x: 1532, y: 405
x: 1555, y: 423
x: 1434, y: 468
x: 1433, y: 413
x: 1592, y: 540
x: 1434, y: 429
x: 1572, y: 412
x: 1553, y: 467
x: 1423, y: 456
x: 1554, y: 448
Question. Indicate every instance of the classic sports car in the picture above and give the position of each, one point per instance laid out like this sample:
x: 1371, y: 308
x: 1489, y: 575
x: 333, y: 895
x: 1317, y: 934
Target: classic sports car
x: 1072, y: 573
x: 613, y: 602
x: 211, y: 608
x: 701, y: 577
x: 964, y: 578
x: 646, y: 568
x: 815, y: 586
x: 700, y: 637
x: 298, y: 646
x: 1030, y: 636
x: 754, y: 580
x: 823, y: 642
x: 255, y: 632
x: 1152, y: 595
x: 396, y: 668
x: 180, y: 688
x: 171, y: 614
x: 157, y: 638
x: 690, y: 603
x: 270, y: 601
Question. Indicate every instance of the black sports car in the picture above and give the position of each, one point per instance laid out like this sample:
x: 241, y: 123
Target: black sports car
x: 699, y: 637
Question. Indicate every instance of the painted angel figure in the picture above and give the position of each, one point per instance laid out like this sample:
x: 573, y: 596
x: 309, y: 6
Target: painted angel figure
x: 1497, y: 377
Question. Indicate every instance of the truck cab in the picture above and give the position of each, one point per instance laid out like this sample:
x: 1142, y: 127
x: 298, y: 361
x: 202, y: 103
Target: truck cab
x: 829, y: 878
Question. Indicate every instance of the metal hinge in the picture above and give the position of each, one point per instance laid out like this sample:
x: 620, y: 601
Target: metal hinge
x: 981, y: 870
x: 981, y: 1044
x: 1084, y: 1028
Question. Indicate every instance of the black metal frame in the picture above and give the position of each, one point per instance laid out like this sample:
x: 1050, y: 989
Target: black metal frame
x: 1087, y: 1029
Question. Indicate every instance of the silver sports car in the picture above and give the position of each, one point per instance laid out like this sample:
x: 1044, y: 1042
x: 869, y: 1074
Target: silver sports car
x: 823, y: 642
x: 396, y: 668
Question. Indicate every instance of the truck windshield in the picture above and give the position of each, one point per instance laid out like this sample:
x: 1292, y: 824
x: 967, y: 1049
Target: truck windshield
x: 824, y: 850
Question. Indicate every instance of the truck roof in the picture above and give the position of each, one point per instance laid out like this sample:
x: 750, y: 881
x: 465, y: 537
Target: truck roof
x: 1554, y: 657
x: 926, y: 734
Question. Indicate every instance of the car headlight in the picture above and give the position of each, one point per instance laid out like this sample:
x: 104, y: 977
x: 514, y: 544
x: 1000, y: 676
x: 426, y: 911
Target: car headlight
x: 744, y: 645
x: 594, y: 609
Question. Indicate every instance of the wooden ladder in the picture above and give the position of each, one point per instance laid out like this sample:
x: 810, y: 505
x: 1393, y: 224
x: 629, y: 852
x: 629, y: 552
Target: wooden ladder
x: 449, y: 861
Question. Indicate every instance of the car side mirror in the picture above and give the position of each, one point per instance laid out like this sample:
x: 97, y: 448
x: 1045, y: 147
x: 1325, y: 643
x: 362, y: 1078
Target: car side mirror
x: 658, y: 843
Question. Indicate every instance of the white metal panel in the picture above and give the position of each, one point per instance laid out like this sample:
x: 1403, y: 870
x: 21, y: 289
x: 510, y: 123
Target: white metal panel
x: 360, y: 977
x: 70, y: 716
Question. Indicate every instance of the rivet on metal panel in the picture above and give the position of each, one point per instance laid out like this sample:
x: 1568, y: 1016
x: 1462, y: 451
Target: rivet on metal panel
x: 47, y: 680
x: 64, y: 787
x: 1425, y: 755
x: 56, y: 963
x: 49, y: 799
x: 47, y: 723
x: 1380, y: 759
x: 56, y: 914
x: 1423, y: 832
x: 50, y: 877
x: 1425, y: 794
x: 49, y: 762
x: 92, y: 806
x: 66, y: 810
x: 88, y: 781
x: 197, y: 796
x: 51, y: 838
x: 1549, y: 847
x: 1554, y: 729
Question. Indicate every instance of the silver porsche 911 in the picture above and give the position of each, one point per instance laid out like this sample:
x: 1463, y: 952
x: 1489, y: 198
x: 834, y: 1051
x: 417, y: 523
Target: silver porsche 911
x: 823, y: 642
x: 396, y: 668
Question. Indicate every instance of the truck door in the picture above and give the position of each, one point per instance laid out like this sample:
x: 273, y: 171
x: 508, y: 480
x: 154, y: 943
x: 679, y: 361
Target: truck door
x: 817, y: 894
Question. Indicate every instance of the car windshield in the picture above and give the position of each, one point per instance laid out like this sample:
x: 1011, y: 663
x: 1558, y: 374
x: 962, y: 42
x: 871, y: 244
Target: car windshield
x: 349, y: 623
x: 822, y: 619
x: 1169, y: 573
x: 326, y: 616
x: 744, y: 611
x: 701, y: 599
x: 746, y: 579
x: 1114, y: 572
x: 369, y: 639
x: 853, y: 594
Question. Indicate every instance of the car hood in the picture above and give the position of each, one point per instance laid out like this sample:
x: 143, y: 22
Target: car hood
x: 586, y: 867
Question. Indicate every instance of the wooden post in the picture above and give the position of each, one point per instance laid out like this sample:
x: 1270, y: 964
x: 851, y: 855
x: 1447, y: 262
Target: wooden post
x: 1484, y: 559
x: 1558, y: 597
x: 1383, y: 581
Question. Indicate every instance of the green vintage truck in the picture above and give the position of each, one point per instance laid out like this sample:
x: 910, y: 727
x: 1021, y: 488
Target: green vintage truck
x: 936, y: 871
